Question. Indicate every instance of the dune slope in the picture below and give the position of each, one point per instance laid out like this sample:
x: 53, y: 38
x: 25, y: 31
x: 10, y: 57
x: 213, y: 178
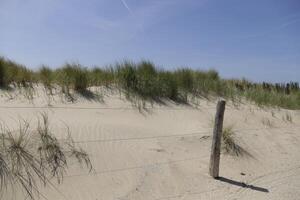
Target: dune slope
x: 162, y: 151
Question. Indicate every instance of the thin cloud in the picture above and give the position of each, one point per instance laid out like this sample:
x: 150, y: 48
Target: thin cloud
x: 126, y: 6
x: 278, y: 28
x: 288, y: 23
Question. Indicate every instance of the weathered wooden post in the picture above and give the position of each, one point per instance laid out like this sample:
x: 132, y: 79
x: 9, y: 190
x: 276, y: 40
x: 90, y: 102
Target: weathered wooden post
x: 216, y: 140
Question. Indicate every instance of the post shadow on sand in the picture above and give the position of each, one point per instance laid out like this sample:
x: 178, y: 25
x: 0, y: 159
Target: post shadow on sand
x: 242, y: 184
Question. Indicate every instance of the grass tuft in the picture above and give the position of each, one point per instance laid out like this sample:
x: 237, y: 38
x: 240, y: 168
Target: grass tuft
x: 229, y: 142
x: 72, y: 76
x: 30, y: 156
x: 2, y: 73
x: 46, y: 77
x: 50, y: 151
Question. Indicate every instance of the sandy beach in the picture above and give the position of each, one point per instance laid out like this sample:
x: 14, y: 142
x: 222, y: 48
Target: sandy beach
x: 161, y: 151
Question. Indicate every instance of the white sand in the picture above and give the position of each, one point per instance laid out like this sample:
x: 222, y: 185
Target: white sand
x: 145, y: 155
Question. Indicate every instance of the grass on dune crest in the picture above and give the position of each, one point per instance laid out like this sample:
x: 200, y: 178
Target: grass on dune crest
x: 15, y: 74
x: 72, y: 76
x: 31, y: 156
x: 146, y: 81
x: 46, y: 76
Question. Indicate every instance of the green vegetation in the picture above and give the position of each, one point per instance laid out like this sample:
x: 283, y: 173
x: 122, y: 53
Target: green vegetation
x: 16, y: 74
x: 101, y: 77
x: 46, y: 77
x: 168, y: 85
x: 72, y: 76
x: 2, y: 73
x: 30, y: 155
x: 147, y: 82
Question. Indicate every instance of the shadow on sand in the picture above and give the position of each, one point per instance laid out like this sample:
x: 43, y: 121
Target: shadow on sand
x: 91, y: 96
x: 242, y: 184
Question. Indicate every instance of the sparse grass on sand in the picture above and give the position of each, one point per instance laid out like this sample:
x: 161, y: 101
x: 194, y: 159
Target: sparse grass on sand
x: 229, y: 143
x: 30, y: 156
x: 267, y: 122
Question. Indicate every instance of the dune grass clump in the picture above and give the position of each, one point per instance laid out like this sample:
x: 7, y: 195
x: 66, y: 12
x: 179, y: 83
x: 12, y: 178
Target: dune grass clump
x: 25, y: 77
x: 63, y: 78
x: 50, y: 151
x: 101, y: 77
x: 147, y: 86
x: 208, y: 83
x: 168, y: 86
x: 148, y: 83
x: 269, y: 96
x: 2, y: 73
x: 29, y: 156
x: 140, y: 80
x: 185, y: 81
x: 47, y: 77
x: 21, y: 165
x: 19, y: 75
x: 72, y: 76
x: 229, y: 144
x: 6, y: 77
x: 126, y: 77
x: 16, y: 74
x: 96, y: 76
x: 80, y: 79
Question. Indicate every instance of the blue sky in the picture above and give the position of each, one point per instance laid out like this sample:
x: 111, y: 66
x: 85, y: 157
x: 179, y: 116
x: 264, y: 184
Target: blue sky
x: 255, y: 39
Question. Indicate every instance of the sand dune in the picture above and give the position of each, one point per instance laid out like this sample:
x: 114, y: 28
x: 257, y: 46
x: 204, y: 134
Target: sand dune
x: 162, y: 151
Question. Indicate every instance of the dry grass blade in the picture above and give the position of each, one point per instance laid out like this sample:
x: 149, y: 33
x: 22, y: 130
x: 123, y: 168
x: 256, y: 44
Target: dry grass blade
x: 79, y: 154
x: 4, y: 172
x: 50, y: 151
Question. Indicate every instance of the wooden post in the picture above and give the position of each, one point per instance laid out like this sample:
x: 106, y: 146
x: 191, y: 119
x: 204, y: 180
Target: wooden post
x: 216, y: 140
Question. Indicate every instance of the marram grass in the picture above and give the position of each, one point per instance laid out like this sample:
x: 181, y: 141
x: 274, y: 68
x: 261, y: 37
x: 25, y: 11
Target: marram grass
x: 31, y: 156
x: 146, y: 81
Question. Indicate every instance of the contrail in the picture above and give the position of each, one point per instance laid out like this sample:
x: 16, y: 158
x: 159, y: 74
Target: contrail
x: 288, y: 23
x: 278, y: 28
x: 126, y: 6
